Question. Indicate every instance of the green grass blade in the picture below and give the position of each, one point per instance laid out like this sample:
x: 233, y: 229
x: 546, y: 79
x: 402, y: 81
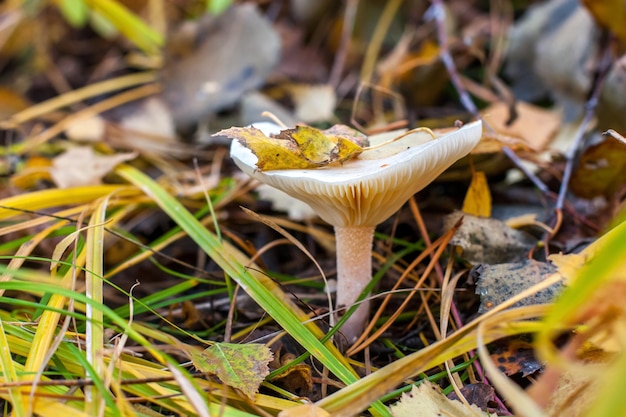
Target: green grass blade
x: 265, y: 292
x: 130, y: 25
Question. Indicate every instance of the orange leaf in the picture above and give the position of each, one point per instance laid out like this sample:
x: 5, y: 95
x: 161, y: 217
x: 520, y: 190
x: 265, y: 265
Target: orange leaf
x: 610, y: 14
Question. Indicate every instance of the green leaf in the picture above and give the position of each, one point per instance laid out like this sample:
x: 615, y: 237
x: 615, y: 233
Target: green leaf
x: 241, y: 366
x: 128, y: 24
x: 217, y: 7
x: 75, y: 12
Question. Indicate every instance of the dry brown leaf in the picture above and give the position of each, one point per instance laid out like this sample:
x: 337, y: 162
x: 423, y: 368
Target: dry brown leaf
x: 602, y: 170
x: 11, y: 102
x: 297, y: 379
x: 82, y: 166
x: 576, y: 391
x: 535, y: 126
x: 426, y: 400
x: 489, y: 241
x: 498, y: 283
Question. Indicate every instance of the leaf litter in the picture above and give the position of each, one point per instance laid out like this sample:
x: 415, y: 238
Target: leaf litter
x: 305, y: 64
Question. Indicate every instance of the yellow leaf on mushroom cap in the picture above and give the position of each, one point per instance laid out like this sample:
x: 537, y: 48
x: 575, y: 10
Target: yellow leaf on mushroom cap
x: 367, y: 190
x: 272, y: 153
x: 299, y: 148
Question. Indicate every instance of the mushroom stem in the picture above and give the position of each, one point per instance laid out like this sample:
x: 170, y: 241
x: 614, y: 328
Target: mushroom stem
x: 354, y: 272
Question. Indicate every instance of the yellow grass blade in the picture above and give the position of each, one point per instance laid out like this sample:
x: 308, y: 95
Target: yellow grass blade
x: 26, y: 249
x: 91, y: 90
x: 10, y: 375
x: 39, y: 200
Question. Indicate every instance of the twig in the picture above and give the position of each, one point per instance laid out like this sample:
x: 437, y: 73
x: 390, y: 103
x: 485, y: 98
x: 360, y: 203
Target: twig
x: 574, y: 152
x: 615, y: 136
x: 590, y: 106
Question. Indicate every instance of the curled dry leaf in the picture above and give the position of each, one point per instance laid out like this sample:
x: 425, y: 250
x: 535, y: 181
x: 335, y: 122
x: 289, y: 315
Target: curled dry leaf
x: 426, y: 400
x: 524, y: 127
x: 82, y: 166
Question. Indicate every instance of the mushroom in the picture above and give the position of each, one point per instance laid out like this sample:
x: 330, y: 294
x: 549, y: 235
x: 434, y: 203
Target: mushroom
x: 361, y: 193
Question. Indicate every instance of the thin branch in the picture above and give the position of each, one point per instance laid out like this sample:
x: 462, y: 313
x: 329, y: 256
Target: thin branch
x: 575, y: 150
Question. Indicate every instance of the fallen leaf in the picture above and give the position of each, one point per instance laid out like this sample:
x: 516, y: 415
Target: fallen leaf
x: 534, y: 126
x: 426, y: 400
x: 82, y: 166
x: 11, y: 102
x: 299, y: 148
x: 576, y: 391
x: 478, y: 198
x: 272, y: 153
x: 480, y: 395
x: 611, y: 15
x: 514, y: 356
x: 498, y: 283
x: 296, y: 379
x: 602, y: 170
x: 240, y: 366
x: 34, y: 170
x: 316, y: 147
x: 489, y: 241
x: 149, y: 127
x: 569, y: 265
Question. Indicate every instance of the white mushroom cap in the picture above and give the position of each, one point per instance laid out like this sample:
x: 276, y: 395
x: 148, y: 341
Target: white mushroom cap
x: 369, y: 189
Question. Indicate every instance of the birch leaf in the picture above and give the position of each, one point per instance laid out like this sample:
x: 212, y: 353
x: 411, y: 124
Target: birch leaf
x: 301, y: 148
x: 240, y: 366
